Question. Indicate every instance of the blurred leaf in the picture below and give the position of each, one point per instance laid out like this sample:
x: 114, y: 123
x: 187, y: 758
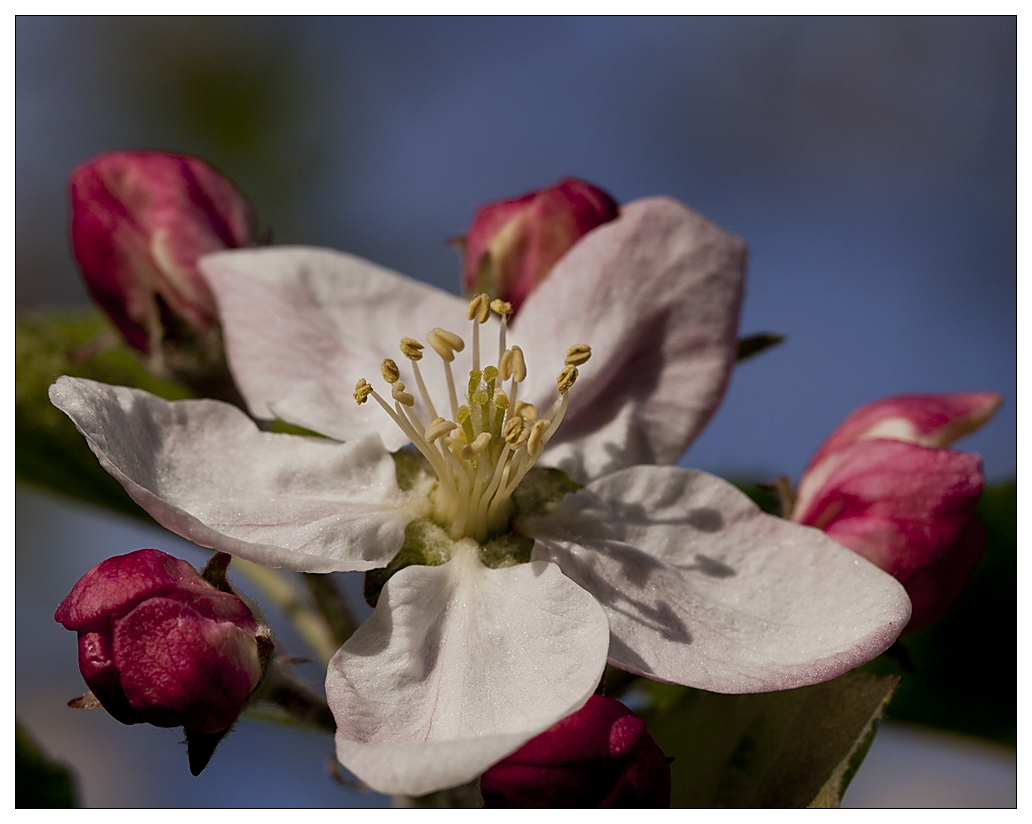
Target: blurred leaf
x: 764, y: 497
x: 793, y: 748
x: 961, y: 673
x: 38, y: 781
x: 49, y: 451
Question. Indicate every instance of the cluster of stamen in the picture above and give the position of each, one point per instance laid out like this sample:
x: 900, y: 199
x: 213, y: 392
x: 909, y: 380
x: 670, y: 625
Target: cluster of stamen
x: 482, y: 452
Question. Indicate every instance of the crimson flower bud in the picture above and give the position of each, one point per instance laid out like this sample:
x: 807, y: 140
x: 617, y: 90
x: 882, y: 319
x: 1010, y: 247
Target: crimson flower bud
x: 140, y: 221
x: 601, y: 756
x: 513, y: 245
x: 160, y: 645
x: 885, y: 486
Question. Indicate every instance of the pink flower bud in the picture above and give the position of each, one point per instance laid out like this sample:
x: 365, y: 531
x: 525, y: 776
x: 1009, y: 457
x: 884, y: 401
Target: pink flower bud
x: 160, y: 645
x: 140, y: 221
x: 513, y: 245
x: 601, y: 756
x: 883, y: 486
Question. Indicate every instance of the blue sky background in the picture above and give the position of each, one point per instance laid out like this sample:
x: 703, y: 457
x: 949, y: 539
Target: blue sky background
x: 869, y: 163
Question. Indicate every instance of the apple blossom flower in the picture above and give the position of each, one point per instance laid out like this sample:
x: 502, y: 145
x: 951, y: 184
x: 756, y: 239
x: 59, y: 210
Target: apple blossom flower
x: 885, y: 486
x: 140, y: 221
x: 160, y: 645
x: 512, y: 245
x: 511, y: 589
x: 601, y: 756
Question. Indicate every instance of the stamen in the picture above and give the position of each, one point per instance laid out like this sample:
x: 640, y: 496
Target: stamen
x: 534, y: 443
x: 513, y: 429
x: 566, y: 378
x: 503, y: 308
x: 400, y: 395
x: 362, y: 390
x: 479, y: 445
x: 445, y: 343
x: 517, y: 366
x: 527, y: 411
x: 478, y: 312
x: 438, y: 428
x: 411, y: 349
x: 479, y: 308
x: 389, y: 370
x: 492, y: 441
x: 578, y: 354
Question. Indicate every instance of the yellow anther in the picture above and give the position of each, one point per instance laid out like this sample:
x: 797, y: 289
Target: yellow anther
x: 527, y: 411
x: 501, y: 307
x: 517, y: 366
x: 389, y: 370
x: 490, y: 373
x: 578, y: 354
x: 479, y: 309
x: 411, y: 349
x: 478, y: 446
x: 501, y: 400
x: 566, y: 379
x: 445, y: 343
x: 513, y: 429
x: 504, y: 366
x: 534, y: 440
x: 400, y: 395
x: 362, y: 390
x: 438, y: 428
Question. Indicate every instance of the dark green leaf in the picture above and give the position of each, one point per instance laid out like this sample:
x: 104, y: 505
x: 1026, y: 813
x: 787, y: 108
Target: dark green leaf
x: 794, y: 748
x: 38, y: 781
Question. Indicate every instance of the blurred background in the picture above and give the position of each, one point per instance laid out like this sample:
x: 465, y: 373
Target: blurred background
x: 869, y: 163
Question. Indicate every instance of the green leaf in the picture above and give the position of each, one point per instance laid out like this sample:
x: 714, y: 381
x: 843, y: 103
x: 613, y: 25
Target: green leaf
x: 49, y: 451
x: 794, y: 748
x: 38, y: 781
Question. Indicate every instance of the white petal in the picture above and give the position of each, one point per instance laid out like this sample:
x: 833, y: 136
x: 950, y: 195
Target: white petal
x: 302, y: 325
x: 656, y: 294
x: 204, y: 470
x: 457, y: 667
x: 703, y: 589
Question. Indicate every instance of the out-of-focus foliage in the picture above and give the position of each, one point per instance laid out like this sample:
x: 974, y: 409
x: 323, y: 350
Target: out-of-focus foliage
x: 49, y: 451
x: 794, y: 748
x: 38, y: 781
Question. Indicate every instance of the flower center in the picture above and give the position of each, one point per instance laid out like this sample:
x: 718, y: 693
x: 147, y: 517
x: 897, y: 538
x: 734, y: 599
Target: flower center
x: 491, y: 441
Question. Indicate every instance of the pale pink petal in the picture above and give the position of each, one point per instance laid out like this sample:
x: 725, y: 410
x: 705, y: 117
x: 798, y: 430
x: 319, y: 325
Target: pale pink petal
x: 457, y: 667
x: 203, y: 470
x: 703, y: 589
x: 927, y: 420
x: 656, y: 294
x: 302, y: 325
